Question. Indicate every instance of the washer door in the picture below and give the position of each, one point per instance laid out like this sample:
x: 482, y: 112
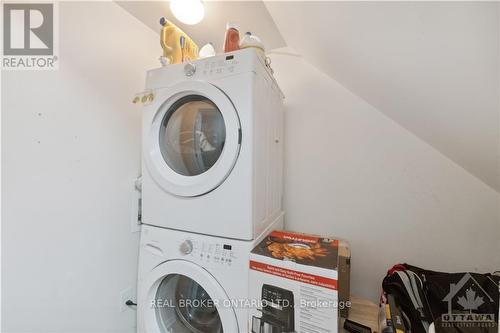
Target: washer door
x: 185, y: 298
x: 194, y: 138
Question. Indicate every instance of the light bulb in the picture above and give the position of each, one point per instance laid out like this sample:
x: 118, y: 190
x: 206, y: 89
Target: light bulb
x: 188, y: 11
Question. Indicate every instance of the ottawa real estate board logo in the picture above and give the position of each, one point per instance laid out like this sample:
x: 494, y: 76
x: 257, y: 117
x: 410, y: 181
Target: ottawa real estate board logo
x: 30, y: 36
x: 471, y: 306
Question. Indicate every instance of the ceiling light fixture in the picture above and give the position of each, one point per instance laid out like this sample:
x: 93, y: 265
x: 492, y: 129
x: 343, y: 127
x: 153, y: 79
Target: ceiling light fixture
x: 188, y: 11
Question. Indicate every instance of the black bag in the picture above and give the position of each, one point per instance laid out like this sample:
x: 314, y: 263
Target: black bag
x: 454, y: 302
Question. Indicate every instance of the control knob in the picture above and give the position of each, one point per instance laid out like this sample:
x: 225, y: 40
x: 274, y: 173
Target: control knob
x: 186, y: 247
x: 189, y: 69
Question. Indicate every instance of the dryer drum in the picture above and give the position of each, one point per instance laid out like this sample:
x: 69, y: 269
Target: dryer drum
x: 192, y: 135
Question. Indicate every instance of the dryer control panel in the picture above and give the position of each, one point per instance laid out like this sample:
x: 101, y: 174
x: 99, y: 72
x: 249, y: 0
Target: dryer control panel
x: 221, y: 253
x: 208, y: 69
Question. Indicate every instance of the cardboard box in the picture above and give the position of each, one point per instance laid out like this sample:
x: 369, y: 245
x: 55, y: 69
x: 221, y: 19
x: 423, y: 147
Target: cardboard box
x: 299, y: 283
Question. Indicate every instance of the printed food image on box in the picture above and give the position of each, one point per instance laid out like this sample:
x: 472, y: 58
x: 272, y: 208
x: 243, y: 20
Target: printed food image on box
x: 297, y: 281
x: 303, y: 249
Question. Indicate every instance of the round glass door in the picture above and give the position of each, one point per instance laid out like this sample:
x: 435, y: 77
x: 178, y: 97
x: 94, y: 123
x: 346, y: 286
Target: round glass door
x: 192, y: 135
x: 185, y: 307
x: 192, y: 138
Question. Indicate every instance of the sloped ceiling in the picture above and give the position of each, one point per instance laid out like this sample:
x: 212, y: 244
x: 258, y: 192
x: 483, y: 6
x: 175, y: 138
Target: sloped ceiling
x: 250, y: 16
x: 433, y: 67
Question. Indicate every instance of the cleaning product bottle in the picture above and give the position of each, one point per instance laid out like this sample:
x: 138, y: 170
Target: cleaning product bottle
x: 232, y: 38
x: 252, y: 41
x: 177, y: 46
x: 207, y: 50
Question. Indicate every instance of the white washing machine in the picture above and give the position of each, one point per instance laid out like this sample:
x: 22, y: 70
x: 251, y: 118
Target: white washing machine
x: 193, y: 283
x: 213, y: 146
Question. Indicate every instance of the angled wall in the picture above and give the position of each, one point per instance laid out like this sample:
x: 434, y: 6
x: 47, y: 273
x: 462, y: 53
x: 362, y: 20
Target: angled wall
x: 352, y: 172
x: 430, y: 66
x: 70, y: 151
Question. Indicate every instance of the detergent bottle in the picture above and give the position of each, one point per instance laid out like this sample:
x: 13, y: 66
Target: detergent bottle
x: 252, y: 41
x: 232, y: 38
x: 177, y: 46
x: 207, y: 50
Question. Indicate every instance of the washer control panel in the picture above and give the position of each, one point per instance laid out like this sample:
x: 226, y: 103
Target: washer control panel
x: 208, y: 252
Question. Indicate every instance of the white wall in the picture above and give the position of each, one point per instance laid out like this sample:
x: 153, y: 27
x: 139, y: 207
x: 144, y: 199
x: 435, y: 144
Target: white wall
x: 352, y: 172
x: 70, y: 150
x: 431, y: 66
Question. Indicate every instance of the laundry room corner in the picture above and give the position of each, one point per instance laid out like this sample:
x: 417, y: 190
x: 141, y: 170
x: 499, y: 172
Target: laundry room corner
x: 325, y: 197
x: 256, y: 166
x: 70, y: 155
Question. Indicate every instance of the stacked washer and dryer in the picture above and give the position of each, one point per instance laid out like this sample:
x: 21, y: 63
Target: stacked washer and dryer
x: 211, y: 190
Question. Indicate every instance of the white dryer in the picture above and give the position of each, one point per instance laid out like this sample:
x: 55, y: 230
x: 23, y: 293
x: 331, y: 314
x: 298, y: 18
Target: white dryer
x: 192, y: 283
x: 213, y: 146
